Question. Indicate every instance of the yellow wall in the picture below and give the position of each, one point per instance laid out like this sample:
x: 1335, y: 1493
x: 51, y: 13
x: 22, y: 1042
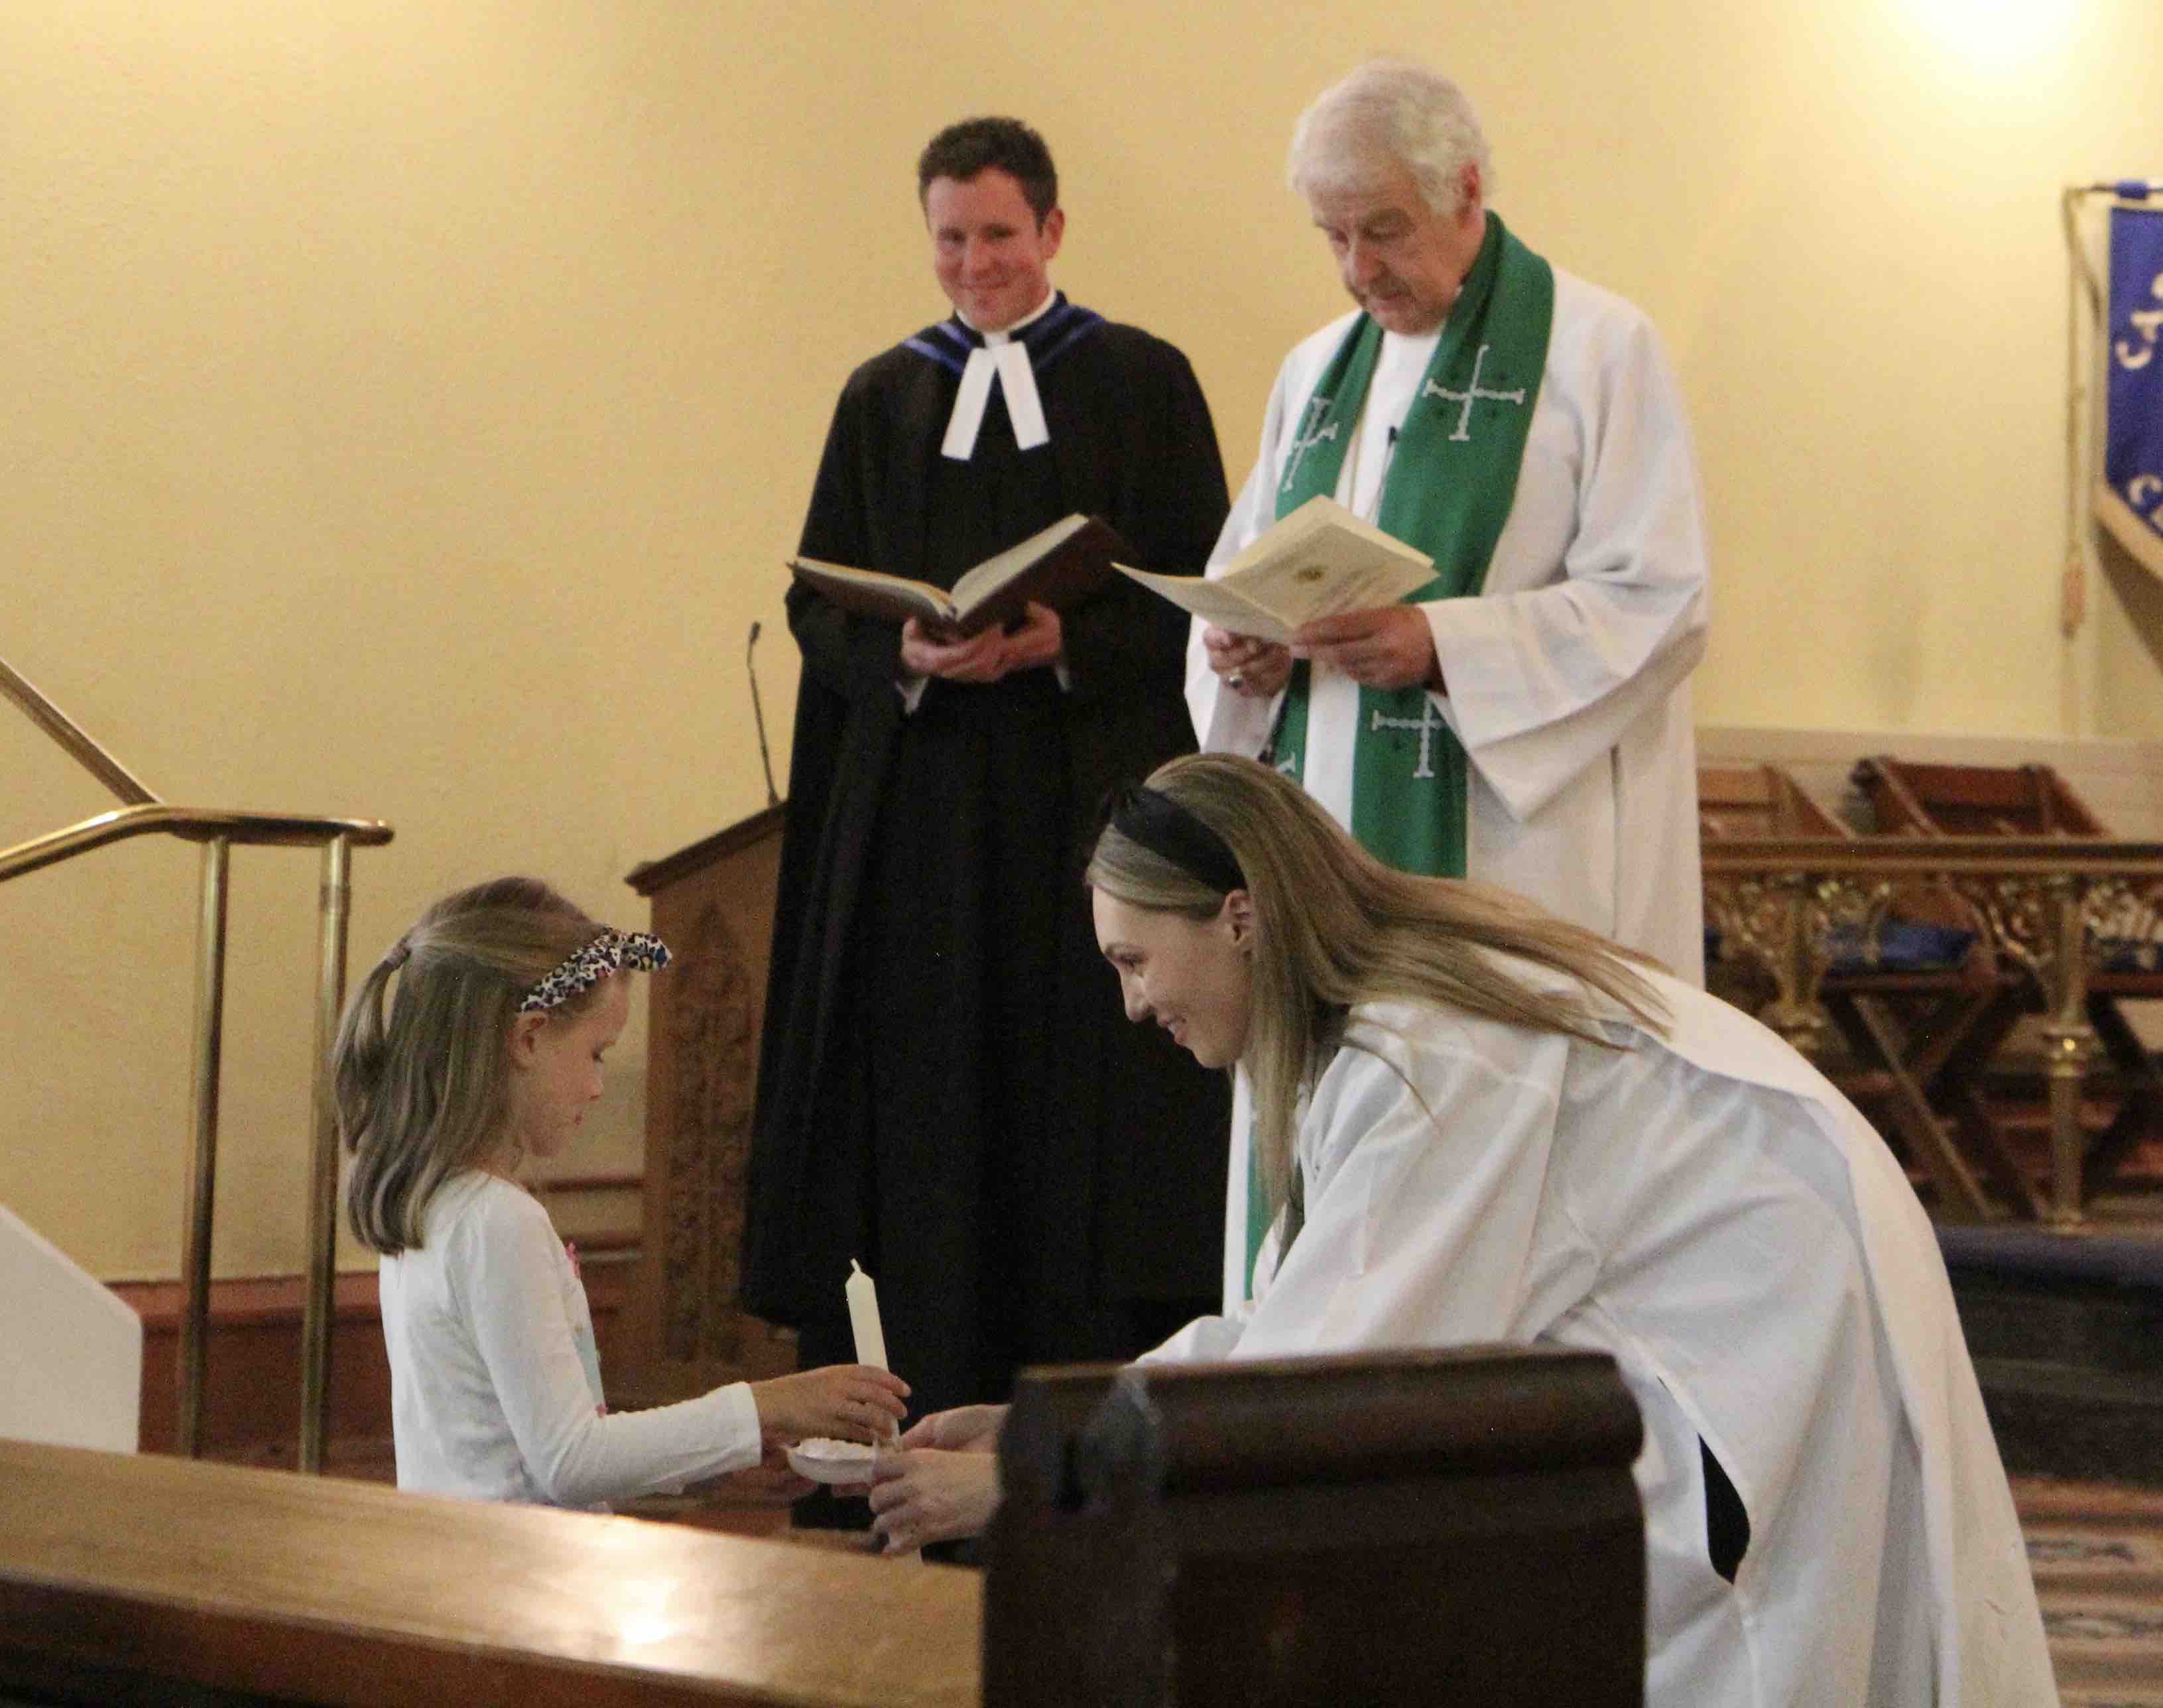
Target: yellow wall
x: 410, y: 403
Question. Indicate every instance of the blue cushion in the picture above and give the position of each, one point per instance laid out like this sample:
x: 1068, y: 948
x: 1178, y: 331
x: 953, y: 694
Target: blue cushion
x: 2129, y: 955
x: 1898, y: 946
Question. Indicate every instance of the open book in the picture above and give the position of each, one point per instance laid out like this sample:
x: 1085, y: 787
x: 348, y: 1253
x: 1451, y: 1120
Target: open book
x: 1058, y: 567
x: 1318, y: 561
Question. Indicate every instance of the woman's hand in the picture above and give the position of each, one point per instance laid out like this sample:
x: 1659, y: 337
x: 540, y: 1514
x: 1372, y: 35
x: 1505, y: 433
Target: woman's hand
x: 964, y: 1429
x: 842, y: 1401
x: 929, y: 1495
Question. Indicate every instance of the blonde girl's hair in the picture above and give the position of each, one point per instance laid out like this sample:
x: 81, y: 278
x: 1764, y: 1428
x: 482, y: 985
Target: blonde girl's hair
x: 1335, y: 926
x: 422, y: 1075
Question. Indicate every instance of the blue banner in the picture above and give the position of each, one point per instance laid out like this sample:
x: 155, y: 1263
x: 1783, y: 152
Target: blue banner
x: 2130, y: 502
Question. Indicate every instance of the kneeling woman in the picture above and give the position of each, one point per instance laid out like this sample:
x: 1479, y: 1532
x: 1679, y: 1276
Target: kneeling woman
x: 1480, y: 1124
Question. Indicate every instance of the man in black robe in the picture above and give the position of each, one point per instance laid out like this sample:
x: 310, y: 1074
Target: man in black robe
x: 948, y: 1090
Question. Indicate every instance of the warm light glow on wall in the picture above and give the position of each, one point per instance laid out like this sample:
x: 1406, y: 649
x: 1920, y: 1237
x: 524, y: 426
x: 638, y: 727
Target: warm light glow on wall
x: 2000, y: 34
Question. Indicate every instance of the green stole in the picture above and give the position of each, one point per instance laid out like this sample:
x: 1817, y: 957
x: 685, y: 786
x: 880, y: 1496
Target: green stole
x: 1447, y: 491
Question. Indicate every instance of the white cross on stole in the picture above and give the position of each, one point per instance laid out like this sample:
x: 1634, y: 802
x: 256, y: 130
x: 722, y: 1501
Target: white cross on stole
x: 1435, y: 389
x: 1307, y: 439
x: 1426, y: 723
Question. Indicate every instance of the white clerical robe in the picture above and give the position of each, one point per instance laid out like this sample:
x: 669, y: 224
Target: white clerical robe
x: 1566, y: 678
x: 1713, y: 1214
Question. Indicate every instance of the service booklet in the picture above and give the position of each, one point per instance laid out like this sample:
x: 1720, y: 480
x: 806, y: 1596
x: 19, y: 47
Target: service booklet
x: 1316, y: 562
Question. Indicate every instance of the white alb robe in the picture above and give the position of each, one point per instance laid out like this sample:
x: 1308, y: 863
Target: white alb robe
x: 1566, y: 678
x: 1712, y: 1212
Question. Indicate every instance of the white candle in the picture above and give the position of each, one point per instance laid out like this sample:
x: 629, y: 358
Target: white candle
x: 864, y: 1318
x: 871, y: 1338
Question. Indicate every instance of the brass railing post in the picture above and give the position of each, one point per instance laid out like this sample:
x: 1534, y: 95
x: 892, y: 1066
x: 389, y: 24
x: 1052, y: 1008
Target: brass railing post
x: 2069, y: 1041
x: 217, y: 830
x: 202, y: 1181
x: 1796, y: 1013
x: 334, y: 909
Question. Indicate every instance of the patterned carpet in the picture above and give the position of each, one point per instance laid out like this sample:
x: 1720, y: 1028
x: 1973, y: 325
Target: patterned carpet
x: 2097, y: 1552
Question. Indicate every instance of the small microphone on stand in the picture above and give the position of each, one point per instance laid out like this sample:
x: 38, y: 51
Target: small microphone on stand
x: 773, y: 798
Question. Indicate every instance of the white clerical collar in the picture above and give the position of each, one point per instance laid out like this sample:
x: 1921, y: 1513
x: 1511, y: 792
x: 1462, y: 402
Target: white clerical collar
x: 1005, y: 358
x: 1037, y: 313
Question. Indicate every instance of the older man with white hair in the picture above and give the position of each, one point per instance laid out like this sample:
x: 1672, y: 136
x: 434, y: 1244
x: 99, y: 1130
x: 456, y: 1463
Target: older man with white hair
x: 1524, y: 717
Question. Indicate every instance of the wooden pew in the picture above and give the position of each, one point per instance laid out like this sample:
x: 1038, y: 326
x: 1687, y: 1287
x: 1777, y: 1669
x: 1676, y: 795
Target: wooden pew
x: 1937, y: 801
x: 1972, y: 800
x: 2052, y: 907
x: 1759, y: 800
x: 1439, y: 1528
x: 1908, y: 1031
x: 1442, y: 1527
x: 139, y: 1579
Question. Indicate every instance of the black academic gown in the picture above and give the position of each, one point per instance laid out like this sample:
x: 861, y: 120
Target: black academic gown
x: 948, y: 1089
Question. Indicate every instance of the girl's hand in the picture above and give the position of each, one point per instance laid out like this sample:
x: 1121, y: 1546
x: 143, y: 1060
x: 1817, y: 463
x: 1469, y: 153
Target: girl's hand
x: 842, y: 1401
x: 964, y: 1429
x: 929, y: 1496
x: 769, y: 1483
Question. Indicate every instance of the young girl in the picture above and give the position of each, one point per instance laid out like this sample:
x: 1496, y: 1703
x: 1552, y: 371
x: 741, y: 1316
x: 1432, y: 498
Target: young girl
x: 507, y: 998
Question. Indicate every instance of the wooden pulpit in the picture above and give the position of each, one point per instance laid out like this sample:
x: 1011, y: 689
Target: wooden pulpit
x: 1454, y: 1528
x: 713, y: 905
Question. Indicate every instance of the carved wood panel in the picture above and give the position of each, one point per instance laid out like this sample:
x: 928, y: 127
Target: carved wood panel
x: 713, y: 905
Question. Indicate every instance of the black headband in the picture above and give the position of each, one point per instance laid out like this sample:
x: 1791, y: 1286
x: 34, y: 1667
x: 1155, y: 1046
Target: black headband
x: 1162, y: 825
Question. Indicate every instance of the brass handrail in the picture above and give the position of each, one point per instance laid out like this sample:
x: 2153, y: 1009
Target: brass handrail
x: 71, y: 737
x: 1923, y: 856
x: 190, y: 824
x: 218, y: 830
x: 2041, y: 902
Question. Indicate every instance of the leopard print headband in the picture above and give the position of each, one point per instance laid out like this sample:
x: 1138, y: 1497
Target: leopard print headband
x: 609, y: 952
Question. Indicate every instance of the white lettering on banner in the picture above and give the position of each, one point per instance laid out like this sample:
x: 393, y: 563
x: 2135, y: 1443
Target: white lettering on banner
x: 2146, y: 492
x: 2149, y: 322
x: 1426, y: 723
x: 1434, y: 388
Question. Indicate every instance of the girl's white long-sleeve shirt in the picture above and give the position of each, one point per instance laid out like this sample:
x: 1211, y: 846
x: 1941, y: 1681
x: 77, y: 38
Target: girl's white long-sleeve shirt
x: 496, y: 1387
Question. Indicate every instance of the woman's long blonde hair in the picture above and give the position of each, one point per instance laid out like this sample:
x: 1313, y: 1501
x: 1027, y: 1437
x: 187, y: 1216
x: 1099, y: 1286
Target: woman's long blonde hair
x: 1335, y: 926
x: 424, y: 1090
